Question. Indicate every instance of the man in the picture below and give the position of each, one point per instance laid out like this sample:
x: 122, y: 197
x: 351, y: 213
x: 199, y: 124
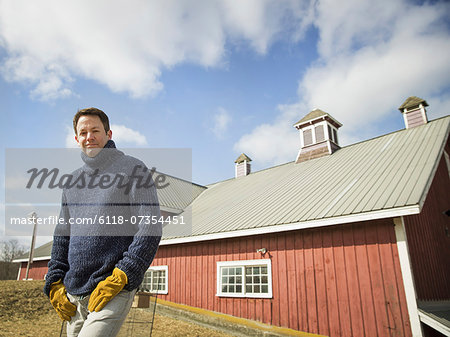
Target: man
x: 104, y: 245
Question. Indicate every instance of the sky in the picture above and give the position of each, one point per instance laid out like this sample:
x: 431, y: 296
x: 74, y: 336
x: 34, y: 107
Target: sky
x: 217, y: 77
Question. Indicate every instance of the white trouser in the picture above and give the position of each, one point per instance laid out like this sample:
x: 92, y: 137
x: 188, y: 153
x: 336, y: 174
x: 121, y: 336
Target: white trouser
x: 106, y: 322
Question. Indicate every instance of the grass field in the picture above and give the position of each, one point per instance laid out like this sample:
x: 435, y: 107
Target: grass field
x: 26, y: 311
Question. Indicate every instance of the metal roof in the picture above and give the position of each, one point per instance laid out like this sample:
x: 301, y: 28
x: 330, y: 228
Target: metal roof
x: 42, y: 251
x: 384, y: 173
x: 178, y: 195
x: 436, y: 314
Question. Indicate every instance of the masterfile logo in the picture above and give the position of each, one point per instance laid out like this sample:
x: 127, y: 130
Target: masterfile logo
x: 112, y: 199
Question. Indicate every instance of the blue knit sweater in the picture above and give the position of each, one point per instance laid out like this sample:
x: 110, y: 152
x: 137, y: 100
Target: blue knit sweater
x: 113, y: 229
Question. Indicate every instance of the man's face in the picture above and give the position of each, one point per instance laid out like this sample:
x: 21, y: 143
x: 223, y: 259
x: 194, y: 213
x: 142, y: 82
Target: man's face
x: 91, y: 135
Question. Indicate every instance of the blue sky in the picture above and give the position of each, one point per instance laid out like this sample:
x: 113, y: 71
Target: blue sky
x: 219, y: 77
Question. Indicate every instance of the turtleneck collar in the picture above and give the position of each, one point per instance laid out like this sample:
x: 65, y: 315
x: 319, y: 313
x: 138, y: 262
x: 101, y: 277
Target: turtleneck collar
x: 102, y: 159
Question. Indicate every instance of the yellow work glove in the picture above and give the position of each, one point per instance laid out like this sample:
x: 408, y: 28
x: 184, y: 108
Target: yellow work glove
x: 60, y: 302
x: 107, y: 289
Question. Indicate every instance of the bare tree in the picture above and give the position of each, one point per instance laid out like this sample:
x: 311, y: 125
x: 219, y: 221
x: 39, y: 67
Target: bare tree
x: 9, y: 250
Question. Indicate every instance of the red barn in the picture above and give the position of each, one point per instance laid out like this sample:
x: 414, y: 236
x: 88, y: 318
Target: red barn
x: 350, y: 241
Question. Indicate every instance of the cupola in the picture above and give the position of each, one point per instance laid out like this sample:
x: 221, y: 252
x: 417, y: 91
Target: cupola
x: 318, y: 135
x: 414, y: 113
x: 243, y: 166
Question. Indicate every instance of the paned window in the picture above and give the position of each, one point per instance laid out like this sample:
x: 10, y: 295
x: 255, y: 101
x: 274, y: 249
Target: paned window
x: 155, y: 280
x: 249, y: 278
x: 232, y: 279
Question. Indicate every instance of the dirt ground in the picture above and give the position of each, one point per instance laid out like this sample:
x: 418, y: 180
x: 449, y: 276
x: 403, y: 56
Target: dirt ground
x: 26, y: 311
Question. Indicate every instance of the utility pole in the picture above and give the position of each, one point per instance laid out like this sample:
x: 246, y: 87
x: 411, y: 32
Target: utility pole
x: 33, y: 216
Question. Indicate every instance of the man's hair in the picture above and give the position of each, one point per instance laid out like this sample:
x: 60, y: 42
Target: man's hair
x: 91, y: 112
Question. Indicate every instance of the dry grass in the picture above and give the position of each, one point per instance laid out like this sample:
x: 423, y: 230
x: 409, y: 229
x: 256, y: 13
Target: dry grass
x: 26, y: 311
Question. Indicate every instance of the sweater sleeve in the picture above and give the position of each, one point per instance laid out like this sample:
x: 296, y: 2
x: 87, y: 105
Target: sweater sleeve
x: 58, y: 264
x: 142, y: 250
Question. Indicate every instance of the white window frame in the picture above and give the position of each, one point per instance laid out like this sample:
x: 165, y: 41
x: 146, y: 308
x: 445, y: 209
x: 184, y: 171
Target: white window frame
x: 244, y: 263
x: 166, y: 283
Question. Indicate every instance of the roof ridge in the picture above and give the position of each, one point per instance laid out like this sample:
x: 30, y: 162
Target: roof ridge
x: 178, y: 178
x: 397, y: 131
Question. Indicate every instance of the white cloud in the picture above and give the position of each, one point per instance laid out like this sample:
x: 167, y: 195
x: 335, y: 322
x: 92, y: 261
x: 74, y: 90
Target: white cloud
x: 125, y: 136
x: 222, y: 120
x: 443, y: 102
x: 260, y: 22
x: 372, y: 56
x: 388, y: 67
x: 273, y: 143
x: 122, y: 136
x: 127, y: 46
x: 346, y: 25
x: 50, y: 79
x: 70, y: 138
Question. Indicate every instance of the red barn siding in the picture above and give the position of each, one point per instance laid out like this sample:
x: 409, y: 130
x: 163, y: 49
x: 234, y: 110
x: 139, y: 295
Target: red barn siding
x: 429, y: 241
x: 336, y: 281
x: 37, y: 271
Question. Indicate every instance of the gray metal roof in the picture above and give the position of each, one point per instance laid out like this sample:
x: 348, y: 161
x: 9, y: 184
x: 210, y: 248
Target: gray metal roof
x: 178, y: 195
x: 41, y: 251
x: 383, y: 173
x: 436, y: 314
